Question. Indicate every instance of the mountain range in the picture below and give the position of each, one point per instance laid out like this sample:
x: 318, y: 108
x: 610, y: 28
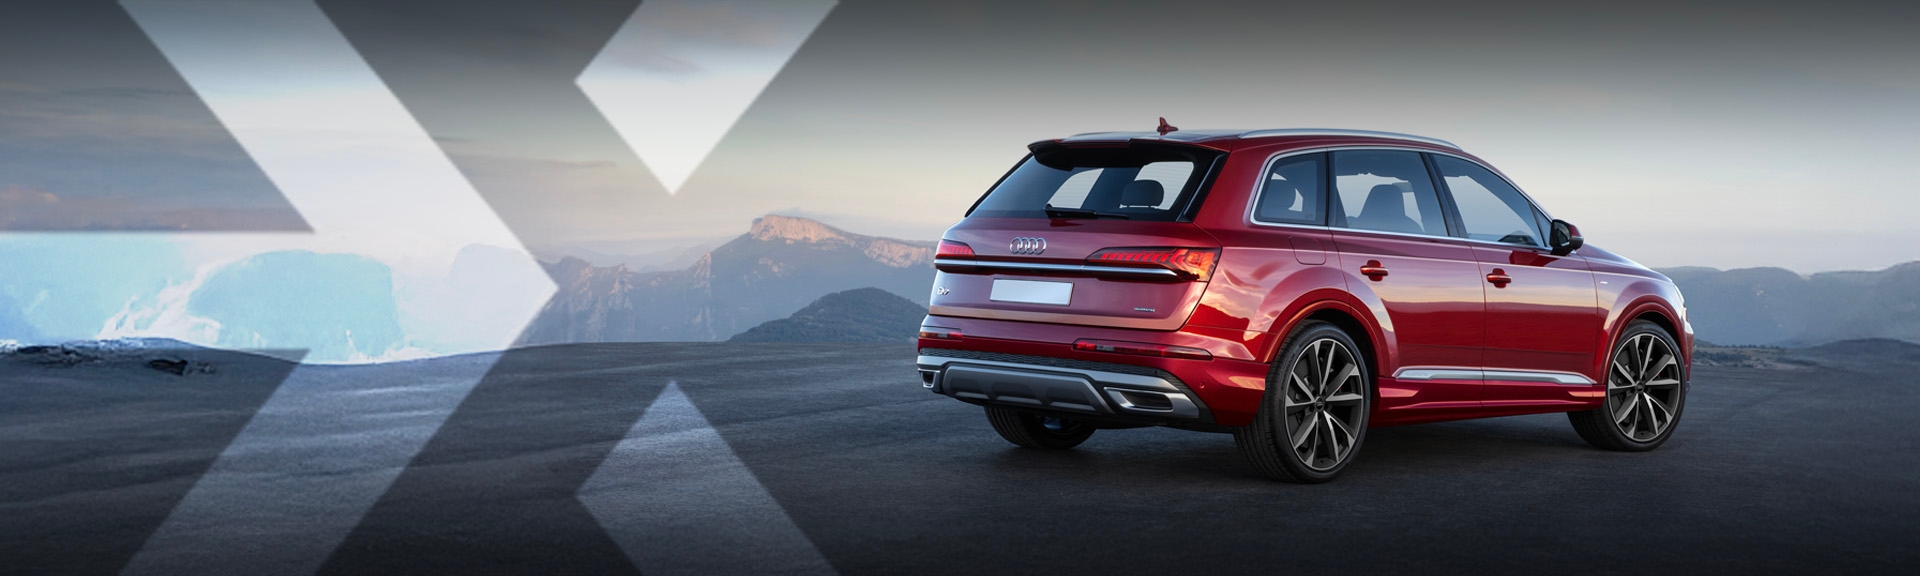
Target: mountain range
x: 1778, y: 307
x: 778, y: 267
x: 672, y: 257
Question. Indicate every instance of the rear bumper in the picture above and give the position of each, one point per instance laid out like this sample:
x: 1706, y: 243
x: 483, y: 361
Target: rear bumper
x: 1226, y: 389
x: 1091, y: 391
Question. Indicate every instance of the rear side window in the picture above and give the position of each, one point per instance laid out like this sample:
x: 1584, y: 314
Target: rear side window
x: 1140, y: 184
x: 1294, y: 192
x: 1385, y: 190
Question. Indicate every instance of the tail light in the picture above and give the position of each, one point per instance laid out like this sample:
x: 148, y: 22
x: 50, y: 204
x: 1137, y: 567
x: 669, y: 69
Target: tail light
x: 951, y: 249
x: 1191, y: 263
x: 938, y: 333
x: 1141, y: 349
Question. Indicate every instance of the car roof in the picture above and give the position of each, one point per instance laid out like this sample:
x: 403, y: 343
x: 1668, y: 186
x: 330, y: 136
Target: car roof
x: 1227, y: 139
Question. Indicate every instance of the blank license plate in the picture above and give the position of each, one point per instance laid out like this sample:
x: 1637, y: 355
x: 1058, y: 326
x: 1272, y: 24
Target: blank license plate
x: 1032, y: 292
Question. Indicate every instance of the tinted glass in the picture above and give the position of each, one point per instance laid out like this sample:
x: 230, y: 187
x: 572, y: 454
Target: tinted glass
x: 1385, y: 190
x: 1295, y: 191
x: 1489, y: 207
x: 1141, y: 185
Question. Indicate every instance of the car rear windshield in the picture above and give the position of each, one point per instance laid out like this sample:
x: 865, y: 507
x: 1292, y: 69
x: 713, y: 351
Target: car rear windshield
x: 1137, y: 183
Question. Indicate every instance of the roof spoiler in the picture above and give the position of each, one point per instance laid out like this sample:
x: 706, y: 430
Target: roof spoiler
x: 1058, y: 153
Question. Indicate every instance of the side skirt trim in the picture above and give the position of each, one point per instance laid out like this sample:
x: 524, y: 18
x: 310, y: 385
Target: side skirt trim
x: 1501, y: 375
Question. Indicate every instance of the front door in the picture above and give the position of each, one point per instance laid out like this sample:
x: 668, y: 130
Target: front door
x: 1543, y: 322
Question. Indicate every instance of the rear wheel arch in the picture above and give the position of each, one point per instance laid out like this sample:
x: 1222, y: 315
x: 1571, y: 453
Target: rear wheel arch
x: 1341, y: 315
x: 1355, y: 330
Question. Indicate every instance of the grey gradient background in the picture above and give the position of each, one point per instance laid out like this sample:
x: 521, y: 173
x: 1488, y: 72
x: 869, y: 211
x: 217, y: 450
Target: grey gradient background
x: 1680, y: 133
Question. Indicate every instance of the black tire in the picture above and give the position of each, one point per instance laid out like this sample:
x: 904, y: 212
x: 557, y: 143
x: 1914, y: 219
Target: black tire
x: 1641, y: 389
x: 1029, y: 430
x: 1268, y: 441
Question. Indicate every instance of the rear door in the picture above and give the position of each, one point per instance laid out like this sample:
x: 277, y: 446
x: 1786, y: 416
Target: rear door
x: 1543, y: 320
x: 1088, y: 236
x: 1393, y: 241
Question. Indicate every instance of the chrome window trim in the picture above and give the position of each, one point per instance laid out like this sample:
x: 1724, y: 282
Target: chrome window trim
x: 1344, y: 132
x: 1260, y: 182
x: 1260, y: 189
x: 1502, y: 374
x: 1154, y: 272
x: 1413, y: 236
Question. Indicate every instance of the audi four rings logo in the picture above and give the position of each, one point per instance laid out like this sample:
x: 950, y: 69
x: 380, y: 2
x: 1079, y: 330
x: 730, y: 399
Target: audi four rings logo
x: 1028, y: 245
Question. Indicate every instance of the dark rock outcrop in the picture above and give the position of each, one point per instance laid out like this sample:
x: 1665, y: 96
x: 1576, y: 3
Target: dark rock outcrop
x: 862, y: 315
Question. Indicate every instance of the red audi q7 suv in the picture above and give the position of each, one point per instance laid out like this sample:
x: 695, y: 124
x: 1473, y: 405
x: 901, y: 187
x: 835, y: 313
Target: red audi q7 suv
x: 1293, y: 288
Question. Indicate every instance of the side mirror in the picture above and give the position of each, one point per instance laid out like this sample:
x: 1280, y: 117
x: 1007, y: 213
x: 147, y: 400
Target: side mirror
x: 1565, y: 238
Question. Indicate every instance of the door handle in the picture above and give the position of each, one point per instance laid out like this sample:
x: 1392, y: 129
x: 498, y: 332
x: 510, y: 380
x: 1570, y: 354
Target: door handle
x: 1374, y: 270
x: 1499, y: 278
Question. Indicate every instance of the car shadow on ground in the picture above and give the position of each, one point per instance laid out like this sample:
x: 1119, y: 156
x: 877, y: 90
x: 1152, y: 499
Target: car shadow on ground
x: 1169, y: 454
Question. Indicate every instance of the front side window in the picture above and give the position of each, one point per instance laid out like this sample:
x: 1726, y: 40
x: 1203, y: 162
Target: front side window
x: 1490, y: 208
x: 1130, y: 183
x: 1387, y: 191
x: 1294, y: 192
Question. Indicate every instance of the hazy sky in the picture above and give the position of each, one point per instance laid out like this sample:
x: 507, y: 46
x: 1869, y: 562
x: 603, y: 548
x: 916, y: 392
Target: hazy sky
x: 98, y: 132
x: 1728, y: 135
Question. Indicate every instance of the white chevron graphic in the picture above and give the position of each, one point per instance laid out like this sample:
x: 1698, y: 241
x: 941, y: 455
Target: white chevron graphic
x: 369, y: 181
x: 677, y: 500
x: 680, y: 73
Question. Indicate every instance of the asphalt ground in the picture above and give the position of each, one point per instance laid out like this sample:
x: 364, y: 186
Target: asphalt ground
x: 810, y: 457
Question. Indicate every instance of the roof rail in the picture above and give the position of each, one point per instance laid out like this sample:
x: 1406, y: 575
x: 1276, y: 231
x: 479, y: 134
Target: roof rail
x: 1340, y: 132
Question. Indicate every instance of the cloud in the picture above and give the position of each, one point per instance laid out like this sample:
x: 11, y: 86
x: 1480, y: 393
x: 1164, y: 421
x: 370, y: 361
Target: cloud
x: 705, y: 28
x: 17, y: 197
x: 30, y: 209
x: 16, y: 87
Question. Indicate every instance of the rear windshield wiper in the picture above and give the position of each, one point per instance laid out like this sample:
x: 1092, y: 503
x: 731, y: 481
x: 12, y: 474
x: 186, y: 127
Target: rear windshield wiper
x: 1081, y: 213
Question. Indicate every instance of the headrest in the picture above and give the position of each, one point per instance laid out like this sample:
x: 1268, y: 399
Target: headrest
x: 1142, y: 193
x: 1385, y: 199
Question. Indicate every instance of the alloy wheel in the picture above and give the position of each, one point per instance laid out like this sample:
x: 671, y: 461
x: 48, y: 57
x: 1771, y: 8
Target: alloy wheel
x: 1643, y: 387
x: 1324, y: 404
